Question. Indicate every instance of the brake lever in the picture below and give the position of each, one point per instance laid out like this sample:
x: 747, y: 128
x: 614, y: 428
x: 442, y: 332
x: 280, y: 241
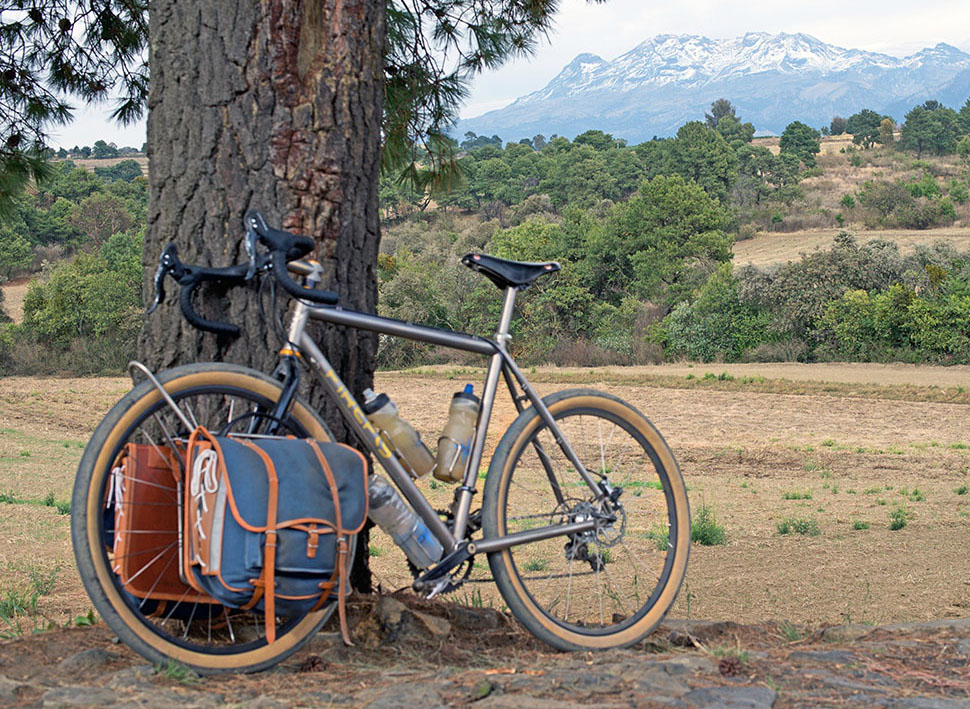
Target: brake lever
x: 250, y: 244
x: 168, y: 262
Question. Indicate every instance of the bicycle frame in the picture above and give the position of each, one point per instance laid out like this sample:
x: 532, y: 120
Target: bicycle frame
x: 301, y: 345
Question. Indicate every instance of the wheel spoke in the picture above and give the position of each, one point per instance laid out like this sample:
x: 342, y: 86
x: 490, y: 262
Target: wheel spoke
x: 140, y: 505
x: 598, y: 582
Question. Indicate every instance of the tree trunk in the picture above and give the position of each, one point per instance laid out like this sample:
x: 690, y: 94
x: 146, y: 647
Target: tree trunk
x: 273, y: 105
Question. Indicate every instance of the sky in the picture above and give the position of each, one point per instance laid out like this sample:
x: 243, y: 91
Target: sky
x: 896, y: 27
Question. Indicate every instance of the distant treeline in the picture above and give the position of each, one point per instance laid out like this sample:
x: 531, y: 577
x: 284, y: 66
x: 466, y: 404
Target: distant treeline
x: 645, y: 233
x: 80, y: 234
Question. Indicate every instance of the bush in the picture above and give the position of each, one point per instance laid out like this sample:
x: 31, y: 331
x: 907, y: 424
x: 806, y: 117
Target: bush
x: 958, y: 192
x: 716, y: 325
x: 798, y: 525
x: 704, y: 528
x: 87, y: 313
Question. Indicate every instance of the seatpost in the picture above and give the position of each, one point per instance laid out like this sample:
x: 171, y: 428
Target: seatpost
x: 463, y: 495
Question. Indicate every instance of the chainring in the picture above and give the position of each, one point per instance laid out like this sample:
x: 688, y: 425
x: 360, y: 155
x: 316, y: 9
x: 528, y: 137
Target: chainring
x: 462, y: 572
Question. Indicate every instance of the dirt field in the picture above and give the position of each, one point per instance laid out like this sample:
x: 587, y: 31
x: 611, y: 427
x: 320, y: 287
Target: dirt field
x: 91, y: 163
x: 13, y: 297
x: 768, y: 248
x: 841, y: 459
x: 829, y: 144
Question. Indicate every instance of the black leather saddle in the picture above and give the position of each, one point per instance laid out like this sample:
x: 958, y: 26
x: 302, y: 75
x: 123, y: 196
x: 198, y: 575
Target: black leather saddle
x: 508, y: 274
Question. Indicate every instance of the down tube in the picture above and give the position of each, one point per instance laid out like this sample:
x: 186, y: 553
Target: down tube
x: 354, y: 415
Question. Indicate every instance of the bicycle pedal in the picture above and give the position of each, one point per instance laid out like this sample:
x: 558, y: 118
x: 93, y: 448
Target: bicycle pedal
x: 439, y: 587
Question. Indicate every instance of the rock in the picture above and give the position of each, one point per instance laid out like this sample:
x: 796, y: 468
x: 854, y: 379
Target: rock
x: 688, y: 664
x: 390, y: 612
x: 846, y: 633
x: 731, y: 698
x: 656, y: 681
x: 87, y: 661
x: 77, y: 696
x: 161, y: 697
x: 825, y: 657
x: 10, y: 689
x: 265, y: 703
x: 131, y: 677
x: 406, y: 696
x: 941, y: 624
x: 963, y: 647
x: 325, y: 699
x: 927, y: 703
x: 476, y: 618
x: 435, y: 625
x: 704, y: 630
x: 517, y: 701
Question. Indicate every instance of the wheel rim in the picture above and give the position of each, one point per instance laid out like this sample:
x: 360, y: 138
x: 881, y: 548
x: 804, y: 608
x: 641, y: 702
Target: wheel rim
x: 199, y: 629
x: 606, y: 581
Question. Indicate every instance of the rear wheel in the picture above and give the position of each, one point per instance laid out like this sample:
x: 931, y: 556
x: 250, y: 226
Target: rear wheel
x: 610, y: 586
x: 207, y: 637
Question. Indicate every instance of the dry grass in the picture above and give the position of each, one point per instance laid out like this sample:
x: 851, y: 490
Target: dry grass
x: 91, y: 163
x: 829, y: 144
x: 13, y: 298
x: 773, y: 247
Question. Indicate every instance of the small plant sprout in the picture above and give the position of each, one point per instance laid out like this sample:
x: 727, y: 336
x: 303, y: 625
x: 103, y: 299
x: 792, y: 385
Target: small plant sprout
x: 704, y: 528
x: 806, y: 526
x: 898, y: 518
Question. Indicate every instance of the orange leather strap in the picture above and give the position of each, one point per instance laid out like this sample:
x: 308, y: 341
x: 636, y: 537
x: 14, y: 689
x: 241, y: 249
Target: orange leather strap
x: 268, y: 577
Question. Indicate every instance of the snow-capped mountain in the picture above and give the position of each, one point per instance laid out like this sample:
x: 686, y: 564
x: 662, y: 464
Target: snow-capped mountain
x: 772, y: 79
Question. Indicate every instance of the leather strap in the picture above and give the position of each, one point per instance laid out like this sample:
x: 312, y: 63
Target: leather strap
x: 267, y: 579
x: 341, y: 545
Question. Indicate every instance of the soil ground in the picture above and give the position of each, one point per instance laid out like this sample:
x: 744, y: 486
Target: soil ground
x: 13, y: 297
x: 841, y: 456
x: 767, y: 248
x: 412, y: 653
x: 840, y: 446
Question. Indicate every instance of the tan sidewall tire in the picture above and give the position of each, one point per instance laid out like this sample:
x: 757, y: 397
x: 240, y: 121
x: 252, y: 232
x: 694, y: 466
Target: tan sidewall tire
x: 98, y: 578
x: 503, y: 568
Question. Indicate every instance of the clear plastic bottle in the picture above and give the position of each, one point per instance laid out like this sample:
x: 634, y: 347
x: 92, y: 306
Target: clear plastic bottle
x: 392, y: 514
x: 456, y: 438
x: 400, y: 434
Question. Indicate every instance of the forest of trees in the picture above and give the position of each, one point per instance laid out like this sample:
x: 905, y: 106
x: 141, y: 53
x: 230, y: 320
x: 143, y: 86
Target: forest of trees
x: 644, y: 232
x: 80, y: 234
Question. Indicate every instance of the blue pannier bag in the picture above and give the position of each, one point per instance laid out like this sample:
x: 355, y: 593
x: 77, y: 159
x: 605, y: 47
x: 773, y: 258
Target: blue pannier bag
x: 268, y: 522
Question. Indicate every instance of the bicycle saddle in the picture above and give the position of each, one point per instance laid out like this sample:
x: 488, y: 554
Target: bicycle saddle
x: 508, y: 274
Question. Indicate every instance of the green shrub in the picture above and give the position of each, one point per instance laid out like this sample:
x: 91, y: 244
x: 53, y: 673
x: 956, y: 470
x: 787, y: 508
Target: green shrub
x: 704, y: 528
x: 798, y: 525
x: 898, y: 518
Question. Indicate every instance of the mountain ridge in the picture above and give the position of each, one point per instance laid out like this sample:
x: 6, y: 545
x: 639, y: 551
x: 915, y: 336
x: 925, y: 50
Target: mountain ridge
x: 773, y: 79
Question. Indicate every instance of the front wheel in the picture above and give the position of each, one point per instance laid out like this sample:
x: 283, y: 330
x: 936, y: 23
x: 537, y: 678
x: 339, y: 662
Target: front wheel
x: 127, y: 588
x: 608, y: 587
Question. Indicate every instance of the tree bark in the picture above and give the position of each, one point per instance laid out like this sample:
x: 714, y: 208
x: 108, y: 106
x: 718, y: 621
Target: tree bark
x: 274, y: 105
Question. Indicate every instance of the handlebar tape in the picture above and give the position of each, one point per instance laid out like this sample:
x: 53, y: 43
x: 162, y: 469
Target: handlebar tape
x: 196, y: 320
x: 324, y: 297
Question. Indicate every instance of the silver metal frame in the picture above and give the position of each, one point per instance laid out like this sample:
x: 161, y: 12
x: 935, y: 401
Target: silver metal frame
x: 501, y: 362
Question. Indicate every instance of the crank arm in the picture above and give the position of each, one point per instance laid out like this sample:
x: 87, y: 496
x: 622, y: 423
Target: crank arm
x: 462, y: 553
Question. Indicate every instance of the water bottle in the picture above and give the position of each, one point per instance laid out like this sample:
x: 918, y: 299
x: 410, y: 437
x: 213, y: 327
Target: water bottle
x: 399, y: 433
x: 456, y: 438
x: 392, y: 514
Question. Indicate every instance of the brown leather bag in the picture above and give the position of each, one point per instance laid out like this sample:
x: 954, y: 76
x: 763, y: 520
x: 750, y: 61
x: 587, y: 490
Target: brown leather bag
x: 145, y: 546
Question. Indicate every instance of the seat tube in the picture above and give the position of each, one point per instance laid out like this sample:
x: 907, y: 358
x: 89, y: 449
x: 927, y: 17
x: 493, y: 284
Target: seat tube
x: 463, y: 499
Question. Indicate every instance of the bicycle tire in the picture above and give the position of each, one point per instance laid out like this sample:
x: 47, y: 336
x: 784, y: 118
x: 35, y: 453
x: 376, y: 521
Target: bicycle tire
x: 652, y: 534
x: 198, y: 387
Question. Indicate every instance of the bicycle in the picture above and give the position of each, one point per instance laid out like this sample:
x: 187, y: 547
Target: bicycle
x: 584, y: 518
